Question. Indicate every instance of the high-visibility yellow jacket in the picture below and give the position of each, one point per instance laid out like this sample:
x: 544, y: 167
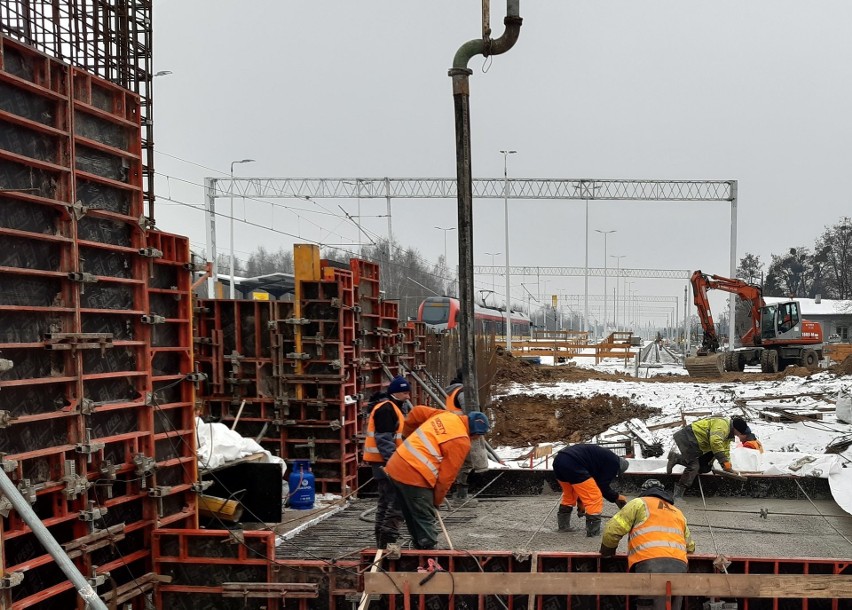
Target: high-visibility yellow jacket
x: 714, y: 435
x: 371, y: 448
x: 656, y: 529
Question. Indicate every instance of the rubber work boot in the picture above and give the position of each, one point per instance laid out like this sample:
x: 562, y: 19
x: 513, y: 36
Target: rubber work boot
x: 463, y: 499
x: 593, y: 526
x: 678, y: 491
x: 563, y: 518
x: 674, y: 458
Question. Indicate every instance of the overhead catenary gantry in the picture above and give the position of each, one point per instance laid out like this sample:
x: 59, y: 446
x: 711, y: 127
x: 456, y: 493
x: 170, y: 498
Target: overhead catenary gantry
x: 569, y: 189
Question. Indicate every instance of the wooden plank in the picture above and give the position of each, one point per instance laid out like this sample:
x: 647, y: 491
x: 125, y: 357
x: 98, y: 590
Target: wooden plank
x: 812, y: 586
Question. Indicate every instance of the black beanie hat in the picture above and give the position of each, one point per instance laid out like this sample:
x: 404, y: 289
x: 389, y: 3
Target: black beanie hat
x: 740, y: 425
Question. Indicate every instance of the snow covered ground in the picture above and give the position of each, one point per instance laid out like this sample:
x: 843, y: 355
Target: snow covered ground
x: 796, y: 449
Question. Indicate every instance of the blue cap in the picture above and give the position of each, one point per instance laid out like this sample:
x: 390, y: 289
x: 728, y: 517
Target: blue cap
x: 478, y: 423
x: 398, y: 384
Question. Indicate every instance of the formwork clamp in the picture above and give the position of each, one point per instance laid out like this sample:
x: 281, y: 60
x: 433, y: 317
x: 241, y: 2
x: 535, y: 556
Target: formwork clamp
x: 5, y: 365
x: 297, y: 321
x: 200, y: 486
x: 6, y: 418
x: 28, y: 490
x: 5, y: 506
x: 96, y: 580
x: 87, y: 447
x: 146, y: 223
x: 160, y: 491
x: 74, y: 485
x: 298, y: 356
x: 78, y: 210
x: 195, y: 377
x: 93, y: 513
x: 11, y: 579
x: 8, y: 465
x: 82, y: 277
x: 145, y: 467
x: 150, y: 252
x: 153, y: 318
x: 87, y: 406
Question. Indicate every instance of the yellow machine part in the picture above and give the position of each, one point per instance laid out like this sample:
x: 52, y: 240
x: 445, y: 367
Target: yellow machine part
x: 219, y: 508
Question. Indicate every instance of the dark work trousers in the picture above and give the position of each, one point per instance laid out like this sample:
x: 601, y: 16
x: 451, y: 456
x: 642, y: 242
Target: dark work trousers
x: 388, y: 512
x: 417, y: 504
x: 690, y: 454
x: 663, y: 565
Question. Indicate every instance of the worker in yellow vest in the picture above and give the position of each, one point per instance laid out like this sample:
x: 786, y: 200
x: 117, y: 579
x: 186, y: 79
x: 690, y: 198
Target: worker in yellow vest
x: 658, y: 538
x: 384, y: 435
x: 424, y: 467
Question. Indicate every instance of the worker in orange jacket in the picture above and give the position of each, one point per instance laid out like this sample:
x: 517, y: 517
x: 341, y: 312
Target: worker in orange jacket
x: 424, y: 467
x: 658, y: 538
x: 384, y: 434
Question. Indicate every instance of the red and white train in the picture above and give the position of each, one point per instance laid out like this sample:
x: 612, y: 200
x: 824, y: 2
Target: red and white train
x: 441, y: 314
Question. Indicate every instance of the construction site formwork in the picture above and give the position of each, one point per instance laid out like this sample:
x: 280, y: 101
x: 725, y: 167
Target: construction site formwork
x: 87, y: 422
x: 295, y: 375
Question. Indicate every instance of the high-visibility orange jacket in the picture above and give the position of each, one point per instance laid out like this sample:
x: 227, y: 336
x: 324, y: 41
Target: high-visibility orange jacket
x: 432, y: 455
x: 450, y: 403
x: 657, y: 529
x: 371, y: 448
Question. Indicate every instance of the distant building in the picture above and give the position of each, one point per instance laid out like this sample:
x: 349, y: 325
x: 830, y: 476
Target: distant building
x: 835, y: 316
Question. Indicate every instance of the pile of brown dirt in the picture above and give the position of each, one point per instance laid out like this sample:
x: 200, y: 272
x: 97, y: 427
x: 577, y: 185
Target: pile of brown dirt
x: 516, y: 370
x: 844, y: 368
x: 797, y: 371
x: 529, y: 419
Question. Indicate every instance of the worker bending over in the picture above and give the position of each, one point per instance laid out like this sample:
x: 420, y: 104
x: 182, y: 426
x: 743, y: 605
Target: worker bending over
x: 455, y: 404
x: 700, y: 443
x: 384, y: 435
x: 424, y: 467
x: 658, y: 540
x: 585, y: 473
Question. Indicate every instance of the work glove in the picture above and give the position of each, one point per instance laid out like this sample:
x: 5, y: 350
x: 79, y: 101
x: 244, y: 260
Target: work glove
x: 726, y: 466
x: 606, y: 551
x: 620, y: 502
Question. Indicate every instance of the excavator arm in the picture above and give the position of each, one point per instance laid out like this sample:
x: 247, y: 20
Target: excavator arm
x: 710, y: 362
x: 701, y: 283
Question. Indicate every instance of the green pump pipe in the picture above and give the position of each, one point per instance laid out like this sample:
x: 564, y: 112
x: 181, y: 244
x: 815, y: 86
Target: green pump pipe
x: 460, y: 74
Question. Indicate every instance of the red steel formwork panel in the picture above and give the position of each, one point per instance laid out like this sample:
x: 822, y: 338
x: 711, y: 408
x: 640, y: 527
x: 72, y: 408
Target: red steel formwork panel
x: 201, y: 563
x: 233, y: 351
x: 172, y: 398
x: 75, y: 323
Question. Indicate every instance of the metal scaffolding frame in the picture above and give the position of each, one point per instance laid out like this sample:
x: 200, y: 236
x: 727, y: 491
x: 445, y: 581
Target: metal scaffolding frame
x: 108, y: 38
x: 576, y: 189
x: 664, y: 274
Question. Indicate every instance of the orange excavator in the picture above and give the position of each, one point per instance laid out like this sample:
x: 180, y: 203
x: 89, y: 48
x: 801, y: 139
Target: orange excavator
x: 776, y: 334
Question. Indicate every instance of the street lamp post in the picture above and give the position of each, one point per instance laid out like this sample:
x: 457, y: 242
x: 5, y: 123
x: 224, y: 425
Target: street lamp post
x: 506, y: 154
x: 233, y: 275
x: 604, y: 233
x: 617, y: 275
x: 445, y: 230
x: 492, y: 255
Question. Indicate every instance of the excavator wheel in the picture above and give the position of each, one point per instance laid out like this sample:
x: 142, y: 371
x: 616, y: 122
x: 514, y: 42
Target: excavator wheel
x: 769, y: 361
x: 732, y: 361
x: 705, y: 366
x: 810, y: 359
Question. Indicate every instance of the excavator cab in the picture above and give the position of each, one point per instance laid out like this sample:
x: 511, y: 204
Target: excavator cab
x: 780, y: 321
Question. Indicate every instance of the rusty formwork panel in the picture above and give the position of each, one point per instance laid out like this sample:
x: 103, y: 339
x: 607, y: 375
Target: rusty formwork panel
x: 75, y: 322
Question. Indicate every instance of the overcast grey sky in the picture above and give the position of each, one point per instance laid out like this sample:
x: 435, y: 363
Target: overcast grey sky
x: 756, y: 91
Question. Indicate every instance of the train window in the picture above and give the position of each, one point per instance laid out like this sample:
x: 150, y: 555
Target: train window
x: 436, y: 313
